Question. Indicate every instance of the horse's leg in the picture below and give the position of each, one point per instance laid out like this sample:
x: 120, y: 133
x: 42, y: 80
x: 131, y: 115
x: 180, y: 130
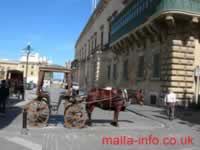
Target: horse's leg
x: 89, y: 109
x: 115, y: 117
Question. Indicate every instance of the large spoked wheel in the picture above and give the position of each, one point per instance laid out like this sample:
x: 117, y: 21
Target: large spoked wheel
x: 37, y: 113
x: 74, y: 116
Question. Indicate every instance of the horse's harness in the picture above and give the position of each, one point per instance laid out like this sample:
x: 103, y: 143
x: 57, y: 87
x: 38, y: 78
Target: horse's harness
x: 123, y: 96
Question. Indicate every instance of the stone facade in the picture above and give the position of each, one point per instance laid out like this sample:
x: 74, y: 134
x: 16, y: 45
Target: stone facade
x: 33, y: 67
x: 6, y: 65
x: 156, y: 52
x: 93, y: 40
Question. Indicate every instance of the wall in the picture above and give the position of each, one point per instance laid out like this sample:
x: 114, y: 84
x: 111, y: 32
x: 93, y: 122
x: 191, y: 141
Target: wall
x: 90, y: 66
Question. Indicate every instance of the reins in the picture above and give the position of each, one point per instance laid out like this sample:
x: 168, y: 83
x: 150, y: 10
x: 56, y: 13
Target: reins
x: 103, y: 99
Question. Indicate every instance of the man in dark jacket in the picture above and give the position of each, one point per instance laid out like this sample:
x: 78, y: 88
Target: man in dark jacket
x: 4, y: 93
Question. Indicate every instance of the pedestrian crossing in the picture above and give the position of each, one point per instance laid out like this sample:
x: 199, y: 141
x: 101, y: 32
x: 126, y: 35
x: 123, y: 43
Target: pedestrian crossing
x: 50, y: 142
x: 24, y: 143
x: 69, y: 141
x: 72, y: 141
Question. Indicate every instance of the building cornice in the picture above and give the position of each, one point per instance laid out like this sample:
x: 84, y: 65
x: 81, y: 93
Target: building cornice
x: 33, y: 63
x: 20, y: 62
x: 100, y: 7
x: 9, y: 62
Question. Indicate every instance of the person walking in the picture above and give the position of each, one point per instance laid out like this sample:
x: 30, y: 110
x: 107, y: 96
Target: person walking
x: 4, y: 93
x: 170, y: 101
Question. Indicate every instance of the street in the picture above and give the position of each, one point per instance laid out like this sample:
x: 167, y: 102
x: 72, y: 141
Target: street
x: 65, y: 64
x: 131, y: 124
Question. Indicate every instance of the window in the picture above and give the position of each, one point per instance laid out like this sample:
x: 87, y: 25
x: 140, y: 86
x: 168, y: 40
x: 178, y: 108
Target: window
x: 86, y: 52
x: 108, y: 73
x: 146, y: 4
x: 79, y: 53
x: 82, y: 53
x: 125, y: 70
x: 153, y: 99
x: 2, y: 72
x: 156, y: 66
x: 89, y: 46
x: 32, y: 66
x: 92, y: 43
x: 32, y: 73
x: 95, y: 40
x: 22, y: 66
x: 114, y: 71
x: 109, y: 31
x: 95, y: 43
x: 102, y: 36
x: 140, y: 72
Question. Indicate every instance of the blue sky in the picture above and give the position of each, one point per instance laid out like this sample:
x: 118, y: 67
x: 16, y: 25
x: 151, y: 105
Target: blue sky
x: 52, y: 27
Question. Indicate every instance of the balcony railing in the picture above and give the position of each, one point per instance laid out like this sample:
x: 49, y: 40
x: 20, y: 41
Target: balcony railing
x: 138, y: 12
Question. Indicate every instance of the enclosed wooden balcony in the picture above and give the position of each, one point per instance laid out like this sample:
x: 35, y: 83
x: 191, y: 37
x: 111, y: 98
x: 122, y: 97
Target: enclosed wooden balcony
x: 140, y: 11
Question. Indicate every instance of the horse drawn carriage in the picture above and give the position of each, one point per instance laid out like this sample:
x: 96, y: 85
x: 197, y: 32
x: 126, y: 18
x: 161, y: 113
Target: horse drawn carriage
x: 16, y: 83
x: 76, y: 107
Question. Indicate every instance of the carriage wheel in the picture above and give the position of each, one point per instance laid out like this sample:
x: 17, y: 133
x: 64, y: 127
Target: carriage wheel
x: 37, y: 113
x: 74, y: 116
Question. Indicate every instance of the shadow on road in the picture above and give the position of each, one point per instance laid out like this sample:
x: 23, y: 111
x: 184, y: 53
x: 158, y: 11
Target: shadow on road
x: 12, y: 102
x: 56, y: 119
x: 188, y: 116
x: 109, y: 121
x: 59, y: 119
x: 162, y: 117
x: 11, y: 114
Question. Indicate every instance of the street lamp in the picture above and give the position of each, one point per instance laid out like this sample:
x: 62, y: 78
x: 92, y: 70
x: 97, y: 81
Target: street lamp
x: 197, y: 74
x: 28, y: 49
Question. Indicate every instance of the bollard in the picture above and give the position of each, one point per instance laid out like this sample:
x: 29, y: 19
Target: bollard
x: 24, y: 123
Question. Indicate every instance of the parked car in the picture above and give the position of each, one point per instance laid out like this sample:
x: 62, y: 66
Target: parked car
x: 30, y: 86
x: 75, y: 86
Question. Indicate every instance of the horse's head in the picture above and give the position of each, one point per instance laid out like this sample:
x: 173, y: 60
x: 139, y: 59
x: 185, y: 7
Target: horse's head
x: 126, y: 96
x: 133, y: 96
x: 140, y: 97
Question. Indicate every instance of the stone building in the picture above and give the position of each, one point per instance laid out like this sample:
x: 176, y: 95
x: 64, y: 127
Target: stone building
x: 33, y: 67
x: 93, y: 40
x: 35, y: 61
x: 6, y: 65
x: 153, y: 45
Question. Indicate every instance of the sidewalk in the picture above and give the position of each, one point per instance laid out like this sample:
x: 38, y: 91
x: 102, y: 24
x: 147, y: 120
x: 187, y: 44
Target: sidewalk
x: 14, y: 102
x: 185, y: 116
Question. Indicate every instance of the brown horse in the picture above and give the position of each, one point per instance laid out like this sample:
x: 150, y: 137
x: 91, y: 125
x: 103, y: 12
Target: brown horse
x: 112, y: 99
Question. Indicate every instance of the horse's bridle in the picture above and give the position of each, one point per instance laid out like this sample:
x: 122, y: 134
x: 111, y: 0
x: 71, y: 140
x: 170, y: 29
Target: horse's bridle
x: 125, y: 95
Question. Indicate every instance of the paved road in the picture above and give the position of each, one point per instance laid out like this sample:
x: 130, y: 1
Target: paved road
x: 56, y: 137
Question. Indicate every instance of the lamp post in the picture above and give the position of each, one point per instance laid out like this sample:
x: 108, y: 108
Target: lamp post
x: 28, y: 49
x: 197, y: 74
